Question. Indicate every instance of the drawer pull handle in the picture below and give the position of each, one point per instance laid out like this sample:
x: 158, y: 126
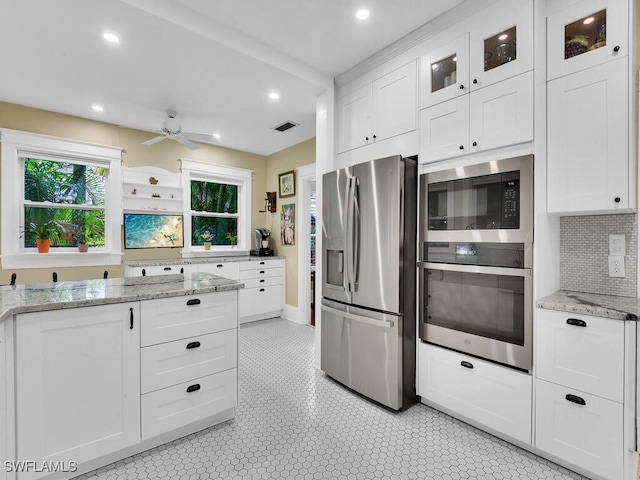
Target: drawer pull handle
x: 576, y: 322
x: 193, y: 345
x: 219, y: 265
x: 262, y: 280
x: 181, y: 270
x: 131, y: 319
x: 144, y: 272
x: 262, y: 289
x: 466, y: 364
x: 193, y: 388
x: 575, y: 399
x: 261, y: 271
x: 261, y: 263
x: 167, y: 269
x: 193, y: 301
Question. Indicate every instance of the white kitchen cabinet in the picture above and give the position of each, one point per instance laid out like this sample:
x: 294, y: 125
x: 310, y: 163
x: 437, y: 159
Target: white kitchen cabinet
x: 585, y: 34
x: 159, y: 270
x: 444, y: 71
x: 581, y: 352
x: 382, y: 109
x: 222, y: 269
x: 78, y: 383
x: 3, y: 401
x: 263, y: 295
x: 492, y: 117
x: 589, y: 166
x: 497, y: 397
x: 580, y: 428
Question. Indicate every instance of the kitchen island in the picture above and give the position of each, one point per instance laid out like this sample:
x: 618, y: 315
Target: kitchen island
x: 94, y: 371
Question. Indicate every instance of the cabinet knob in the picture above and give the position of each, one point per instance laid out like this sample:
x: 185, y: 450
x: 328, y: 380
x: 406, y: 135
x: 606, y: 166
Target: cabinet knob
x: 366, y: 138
x: 461, y: 87
x: 374, y: 137
x: 616, y: 48
x: 475, y: 81
x: 475, y: 144
x: 617, y: 199
x: 461, y: 147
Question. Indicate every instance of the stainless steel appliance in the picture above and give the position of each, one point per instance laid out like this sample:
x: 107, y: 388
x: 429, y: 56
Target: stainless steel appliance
x: 368, y: 306
x: 261, y: 242
x: 476, y: 242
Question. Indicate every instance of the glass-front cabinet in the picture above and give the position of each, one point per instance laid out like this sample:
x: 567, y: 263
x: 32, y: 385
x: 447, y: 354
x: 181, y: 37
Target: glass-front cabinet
x: 445, y: 72
x: 586, y: 34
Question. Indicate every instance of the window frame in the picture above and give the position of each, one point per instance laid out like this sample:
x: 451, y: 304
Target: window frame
x: 208, y: 172
x: 17, y: 145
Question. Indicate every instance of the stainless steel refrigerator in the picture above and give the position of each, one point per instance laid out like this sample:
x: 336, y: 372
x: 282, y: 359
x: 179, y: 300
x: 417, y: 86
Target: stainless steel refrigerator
x: 368, y: 338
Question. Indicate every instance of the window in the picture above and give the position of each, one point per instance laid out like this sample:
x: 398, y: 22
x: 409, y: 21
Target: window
x: 218, y: 210
x: 65, y: 189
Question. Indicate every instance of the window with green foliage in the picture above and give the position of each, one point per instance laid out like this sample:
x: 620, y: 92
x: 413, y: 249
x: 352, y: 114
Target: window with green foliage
x: 64, y: 202
x: 214, y: 213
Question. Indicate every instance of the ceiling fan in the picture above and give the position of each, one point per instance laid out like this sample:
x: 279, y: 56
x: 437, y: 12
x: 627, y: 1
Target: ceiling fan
x: 172, y: 130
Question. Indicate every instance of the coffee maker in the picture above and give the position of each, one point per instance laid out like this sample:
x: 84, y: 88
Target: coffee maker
x: 261, y: 240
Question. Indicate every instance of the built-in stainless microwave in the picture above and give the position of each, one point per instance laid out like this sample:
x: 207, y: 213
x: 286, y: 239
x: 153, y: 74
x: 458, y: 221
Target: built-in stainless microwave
x: 489, y: 202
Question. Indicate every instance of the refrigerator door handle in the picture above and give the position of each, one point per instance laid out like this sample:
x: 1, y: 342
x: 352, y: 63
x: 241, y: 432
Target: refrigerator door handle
x: 358, y: 318
x: 349, y: 227
x: 356, y: 232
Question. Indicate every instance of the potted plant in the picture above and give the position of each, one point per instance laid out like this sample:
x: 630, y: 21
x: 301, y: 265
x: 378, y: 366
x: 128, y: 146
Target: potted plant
x: 232, y: 238
x: 206, y: 237
x: 43, y: 232
x: 80, y: 236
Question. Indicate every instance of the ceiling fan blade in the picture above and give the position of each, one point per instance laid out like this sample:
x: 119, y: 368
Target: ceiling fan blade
x: 154, y: 140
x: 201, y: 137
x: 190, y: 145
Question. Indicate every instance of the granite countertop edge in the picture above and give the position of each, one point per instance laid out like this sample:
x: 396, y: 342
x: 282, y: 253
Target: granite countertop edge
x: 606, y: 306
x: 42, y: 297
x: 192, y: 260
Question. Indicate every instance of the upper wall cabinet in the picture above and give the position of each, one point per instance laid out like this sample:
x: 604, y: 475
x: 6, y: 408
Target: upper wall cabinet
x: 586, y: 34
x: 444, y: 72
x: 381, y: 109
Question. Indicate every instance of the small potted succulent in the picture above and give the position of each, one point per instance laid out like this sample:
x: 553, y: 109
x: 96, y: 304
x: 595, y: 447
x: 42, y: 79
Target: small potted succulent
x: 232, y: 238
x: 81, y: 238
x: 206, y: 237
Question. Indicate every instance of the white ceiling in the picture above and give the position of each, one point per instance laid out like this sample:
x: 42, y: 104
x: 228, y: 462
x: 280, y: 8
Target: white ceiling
x: 214, y: 61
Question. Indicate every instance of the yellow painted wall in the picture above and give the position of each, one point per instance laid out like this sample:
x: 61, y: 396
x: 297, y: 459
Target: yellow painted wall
x: 164, y: 154
x: 302, y: 154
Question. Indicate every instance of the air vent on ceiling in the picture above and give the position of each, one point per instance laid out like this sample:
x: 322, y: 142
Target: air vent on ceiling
x: 285, y: 126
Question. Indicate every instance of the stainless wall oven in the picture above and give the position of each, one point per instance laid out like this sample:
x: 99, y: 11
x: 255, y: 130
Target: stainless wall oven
x: 476, y: 242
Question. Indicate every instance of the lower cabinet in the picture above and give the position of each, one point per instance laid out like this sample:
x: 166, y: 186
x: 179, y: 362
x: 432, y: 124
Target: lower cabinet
x: 492, y: 395
x: 263, y: 293
x: 78, y: 383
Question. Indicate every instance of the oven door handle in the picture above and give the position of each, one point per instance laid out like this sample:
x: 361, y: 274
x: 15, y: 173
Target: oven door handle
x: 450, y: 267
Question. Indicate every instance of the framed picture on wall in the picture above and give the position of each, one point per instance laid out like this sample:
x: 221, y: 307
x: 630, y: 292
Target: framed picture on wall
x: 287, y: 183
x: 287, y: 229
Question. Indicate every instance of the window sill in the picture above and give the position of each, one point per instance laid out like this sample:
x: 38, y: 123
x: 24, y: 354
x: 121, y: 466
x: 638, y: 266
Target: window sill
x: 60, y: 259
x: 226, y: 252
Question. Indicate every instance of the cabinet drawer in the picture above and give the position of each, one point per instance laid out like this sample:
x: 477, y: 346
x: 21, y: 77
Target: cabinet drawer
x: 222, y: 269
x: 174, y: 407
x: 253, y: 301
x: 495, y: 396
x: 582, y: 352
x: 161, y: 270
x: 168, y: 319
x: 261, y: 273
x: 589, y: 435
x: 262, y: 282
x: 261, y: 264
x: 171, y: 363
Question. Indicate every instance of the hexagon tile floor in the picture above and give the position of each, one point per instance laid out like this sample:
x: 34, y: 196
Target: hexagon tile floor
x: 294, y: 422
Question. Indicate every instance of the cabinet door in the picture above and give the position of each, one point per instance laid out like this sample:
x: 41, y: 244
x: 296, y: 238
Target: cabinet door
x: 495, y: 396
x: 444, y: 73
x: 444, y: 130
x: 588, y: 141
x: 354, y: 119
x: 394, y: 103
x: 78, y: 383
x: 501, y: 114
x: 502, y: 45
x: 588, y: 434
x: 586, y: 34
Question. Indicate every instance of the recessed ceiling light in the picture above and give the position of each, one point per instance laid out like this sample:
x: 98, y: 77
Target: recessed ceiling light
x: 504, y: 36
x: 216, y: 136
x: 110, y: 37
x: 97, y: 108
x: 274, y: 95
x: 589, y: 20
x: 362, y: 14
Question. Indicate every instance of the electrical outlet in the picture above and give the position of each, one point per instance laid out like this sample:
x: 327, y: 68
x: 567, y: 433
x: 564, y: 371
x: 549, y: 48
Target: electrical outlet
x: 617, y: 245
x: 616, y: 265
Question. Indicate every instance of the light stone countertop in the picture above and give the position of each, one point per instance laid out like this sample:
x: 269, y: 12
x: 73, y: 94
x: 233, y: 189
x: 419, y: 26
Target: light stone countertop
x: 38, y: 297
x: 192, y: 260
x: 606, y: 306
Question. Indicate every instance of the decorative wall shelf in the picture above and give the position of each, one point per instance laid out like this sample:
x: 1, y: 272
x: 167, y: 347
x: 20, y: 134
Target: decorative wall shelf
x: 141, y: 195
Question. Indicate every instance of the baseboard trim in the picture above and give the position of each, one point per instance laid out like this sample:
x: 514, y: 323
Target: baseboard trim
x: 292, y: 314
